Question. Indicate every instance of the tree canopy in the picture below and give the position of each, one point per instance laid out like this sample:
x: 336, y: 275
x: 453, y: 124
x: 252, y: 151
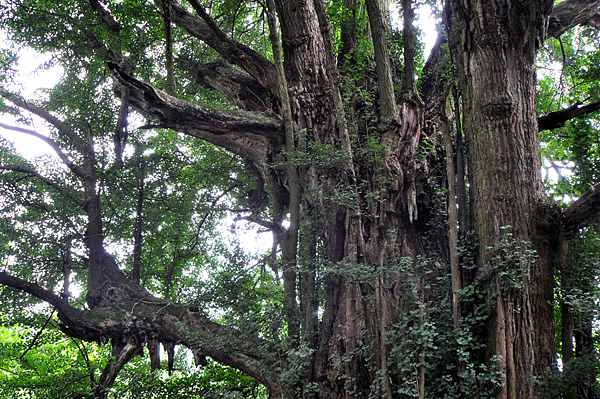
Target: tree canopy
x: 434, y: 221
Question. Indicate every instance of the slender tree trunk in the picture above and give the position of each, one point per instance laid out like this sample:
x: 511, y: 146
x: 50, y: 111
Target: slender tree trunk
x: 456, y: 275
x: 461, y: 175
x: 67, y: 266
x: 566, y: 317
x: 290, y: 238
x: 586, y: 353
x: 138, y: 229
x: 166, y: 14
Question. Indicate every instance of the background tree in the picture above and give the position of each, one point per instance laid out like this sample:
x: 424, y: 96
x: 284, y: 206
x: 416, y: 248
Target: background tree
x: 337, y: 138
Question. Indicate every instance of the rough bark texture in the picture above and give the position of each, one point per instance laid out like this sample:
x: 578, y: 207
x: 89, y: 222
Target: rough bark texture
x: 570, y: 13
x: 237, y: 86
x: 495, y: 46
x: 384, y: 217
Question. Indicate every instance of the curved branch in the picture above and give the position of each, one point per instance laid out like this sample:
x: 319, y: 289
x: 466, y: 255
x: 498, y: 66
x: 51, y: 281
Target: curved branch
x: 557, y: 119
x: 62, y: 127
x: 570, y: 13
x: 62, y: 305
x: 47, y: 181
x: 244, y: 133
x: 239, y: 87
x: 236, y: 53
x: 583, y: 211
x: 128, y: 318
x: 113, y: 26
x: 55, y: 147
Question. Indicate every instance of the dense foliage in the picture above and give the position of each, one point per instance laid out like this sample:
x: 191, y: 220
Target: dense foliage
x: 185, y: 210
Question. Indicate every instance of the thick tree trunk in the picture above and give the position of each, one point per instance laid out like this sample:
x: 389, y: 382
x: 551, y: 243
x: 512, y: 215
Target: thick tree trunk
x: 495, y: 46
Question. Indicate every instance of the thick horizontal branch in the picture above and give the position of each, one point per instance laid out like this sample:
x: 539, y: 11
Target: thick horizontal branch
x: 244, y: 133
x: 128, y: 313
x: 583, y: 211
x: 570, y: 13
x: 33, y: 289
x: 156, y: 319
x: 235, y: 53
x: 239, y: 87
x: 558, y: 119
x: 55, y: 147
x: 45, y: 180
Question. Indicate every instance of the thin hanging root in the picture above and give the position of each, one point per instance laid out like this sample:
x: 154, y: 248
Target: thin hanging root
x: 170, y: 349
x: 154, y: 351
x: 413, y: 212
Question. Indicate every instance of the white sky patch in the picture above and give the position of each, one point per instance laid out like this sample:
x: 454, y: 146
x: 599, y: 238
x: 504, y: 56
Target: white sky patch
x: 428, y: 25
x: 553, y: 170
x: 252, y: 239
x: 424, y: 20
x: 552, y: 70
x: 31, y: 76
x: 31, y: 69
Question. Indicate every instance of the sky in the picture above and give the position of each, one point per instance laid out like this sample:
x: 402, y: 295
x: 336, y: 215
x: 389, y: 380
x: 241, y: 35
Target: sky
x: 29, y: 79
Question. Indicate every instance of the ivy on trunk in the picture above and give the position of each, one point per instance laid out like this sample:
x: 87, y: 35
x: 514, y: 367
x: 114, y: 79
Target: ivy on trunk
x: 350, y: 152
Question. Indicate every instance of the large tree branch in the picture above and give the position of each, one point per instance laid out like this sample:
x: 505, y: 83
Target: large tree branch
x: 113, y: 26
x: 132, y: 319
x: 236, y: 53
x: 121, y: 354
x: 570, y: 13
x: 583, y: 211
x: 62, y: 127
x: 54, y: 185
x: 557, y: 119
x: 239, y: 87
x: 62, y: 305
x: 114, y: 29
x: 243, y: 133
x: 55, y: 147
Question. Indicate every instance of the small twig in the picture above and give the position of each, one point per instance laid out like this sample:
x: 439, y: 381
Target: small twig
x: 9, y: 371
x: 159, y: 310
x: 37, y: 335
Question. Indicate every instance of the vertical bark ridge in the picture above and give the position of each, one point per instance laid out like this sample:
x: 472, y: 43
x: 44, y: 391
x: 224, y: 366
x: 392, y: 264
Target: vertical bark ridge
x: 387, y: 98
x: 495, y: 45
x: 455, y: 270
x: 290, y: 244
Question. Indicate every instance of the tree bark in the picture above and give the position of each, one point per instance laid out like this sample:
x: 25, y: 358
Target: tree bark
x: 566, y: 318
x: 139, y: 224
x: 570, y: 13
x: 456, y: 275
x: 290, y: 238
x: 497, y: 82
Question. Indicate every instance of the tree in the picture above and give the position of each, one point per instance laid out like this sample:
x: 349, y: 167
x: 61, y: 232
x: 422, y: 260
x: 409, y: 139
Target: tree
x: 338, y: 138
